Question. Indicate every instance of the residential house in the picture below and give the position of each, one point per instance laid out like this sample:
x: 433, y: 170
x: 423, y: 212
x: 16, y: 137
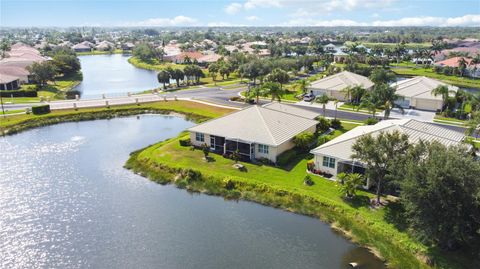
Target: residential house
x: 256, y: 132
x: 13, y: 68
x: 473, y: 70
x: 8, y: 83
x: 335, y: 156
x: 417, y: 93
x: 104, y: 46
x: 330, y: 48
x: 334, y: 85
x: 80, y: 47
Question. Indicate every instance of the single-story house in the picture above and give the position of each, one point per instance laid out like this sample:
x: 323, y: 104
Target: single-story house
x: 292, y: 109
x: 8, y: 83
x: 105, y: 45
x: 329, y: 48
x: 334, y: 156
x: 256, y: 132
x: 473, y: 70
x: 81, y: 48
x: 334, y: 85
x: 417, y: 93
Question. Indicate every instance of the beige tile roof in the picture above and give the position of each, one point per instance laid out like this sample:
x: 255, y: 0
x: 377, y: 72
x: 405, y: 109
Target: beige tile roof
x: 292, y: 109
x: 420, y: 87
x: 7, y: 78
x: 341, y: 147
x: 258, y: 125
x: 341, y: 81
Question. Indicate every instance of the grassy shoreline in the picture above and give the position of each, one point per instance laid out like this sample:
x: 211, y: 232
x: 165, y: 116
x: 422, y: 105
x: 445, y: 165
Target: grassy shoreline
x: 463, y: 82
x: 101, y: 52
x: 194, y: 111
x: 150, y: 162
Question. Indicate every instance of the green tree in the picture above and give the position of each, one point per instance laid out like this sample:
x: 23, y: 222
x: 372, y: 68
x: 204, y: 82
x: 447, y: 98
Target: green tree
x: 178, y: 75
x: 206, y: 150
x: 304, y: 140
x: 274, y: 90
x: 440, y: 194
x: 371, y: 101
x: 213, y: 71
x: 163, y: 77
x: 144, y: 52
x: 302, y: 85
x: 256, y: 92
x: 322, y: 99
x: 4, y: 47
x: 225, y: 69
x: 66, y: 64
x: 445, y: 92
x: 387, y: 98
x: 279, y: 76
x: 379, y: 154
x: 381, y: 75
x: 42, y: 72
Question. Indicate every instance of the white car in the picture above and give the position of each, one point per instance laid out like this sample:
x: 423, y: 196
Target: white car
x: 308, y: 97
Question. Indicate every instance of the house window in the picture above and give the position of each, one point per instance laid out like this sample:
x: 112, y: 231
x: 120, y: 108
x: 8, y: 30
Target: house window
x: 263, y: 149
x: 328, y: 162
x: 200, y: 137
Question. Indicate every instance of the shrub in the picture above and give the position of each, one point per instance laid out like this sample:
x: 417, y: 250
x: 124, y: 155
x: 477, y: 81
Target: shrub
x: 286, y: 156
x: 322, y: 140
x: 323, y: 125
x: 19, y: 93
x: 72, y: 94
x: 228, y: 184
x: 205, y: 149
x: 308, y: 180
x: 43, y: 109
x: 304, y: 140
x: 265, y: 161
x: 371, y: 121
x: 191, y: 175
x: 310, y: 166
x: 185, y: 142
x: 336, y: 124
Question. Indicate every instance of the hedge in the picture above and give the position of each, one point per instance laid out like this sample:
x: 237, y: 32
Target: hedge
x: 43, y: 109
x: 19, y: 93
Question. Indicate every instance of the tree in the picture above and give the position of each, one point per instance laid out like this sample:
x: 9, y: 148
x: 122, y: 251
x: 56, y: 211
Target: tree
x: 256, y: 92
x: 143, y: 52
x: 322, y: 99
x: 236, y: 156
x: 387, y: 98
x: 381, y: 75
x: 4, y: 47
x: 302, y: 85
x: 213, y: 70
x: 371, y: 101
x: 225, y: 69
x: 444, y: 91
x: 304, y: 140
x: 163, y: 77
x: 379, y: 154
x: 279, y: 76
x: 440, y: 194
x: 350, y: 183
x: 274, y: 90
x: 42, y: 72
x: 462, y: 66
x: 399, y: 50
x: 178, y: 75
x: 205, y: 150
x: 66, y: 64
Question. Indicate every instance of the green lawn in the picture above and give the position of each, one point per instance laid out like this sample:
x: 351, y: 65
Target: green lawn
x: 153, y: 65
x: 428, y: 72
x: 7, y: 112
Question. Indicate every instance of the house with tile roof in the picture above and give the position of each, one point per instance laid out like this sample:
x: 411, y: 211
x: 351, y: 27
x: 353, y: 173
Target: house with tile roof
x: 256, y: 132
x: 335, y: 156
x: 334, y: 85
x: 416, y: 93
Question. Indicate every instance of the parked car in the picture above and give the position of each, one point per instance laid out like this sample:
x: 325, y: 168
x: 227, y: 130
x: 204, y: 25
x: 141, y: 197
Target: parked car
x: 308, y: 97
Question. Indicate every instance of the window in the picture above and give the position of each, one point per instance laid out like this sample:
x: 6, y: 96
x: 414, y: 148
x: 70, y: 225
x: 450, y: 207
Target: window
x: 200, y: 137
x: 263, y: 148
x: 328, y: 162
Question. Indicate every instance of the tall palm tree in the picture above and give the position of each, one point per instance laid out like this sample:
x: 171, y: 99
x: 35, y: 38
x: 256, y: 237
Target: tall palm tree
x: 417, y: 54
x: 274, y: 90
x: 371, y: 102
x: 462, y: 66
x: 445, y: 92
x: 163, y: 77
x: 322, y: 99
x: 474, y: 62
x: 387, y: 98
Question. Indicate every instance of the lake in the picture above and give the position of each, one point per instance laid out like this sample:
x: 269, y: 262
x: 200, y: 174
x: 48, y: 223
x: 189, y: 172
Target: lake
x: 113, y: 75
x: 67, y: 202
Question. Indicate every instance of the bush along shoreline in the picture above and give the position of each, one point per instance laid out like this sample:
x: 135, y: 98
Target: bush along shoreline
x: 351, y: 224
x: 50, y: 119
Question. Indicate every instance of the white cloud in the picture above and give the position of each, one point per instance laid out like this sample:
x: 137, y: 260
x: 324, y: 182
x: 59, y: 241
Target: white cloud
x: 466, y: 20
x: 375, y: 15
x: 233, y: 8
x: 176, y: 21
x: 252, y: 18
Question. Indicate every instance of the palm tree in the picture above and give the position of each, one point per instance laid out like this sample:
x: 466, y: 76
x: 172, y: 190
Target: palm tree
x: 462, y: 66
x: 474, y: 62
x: 256, y: 92
x: 387, y: 97
x: 322, y: 99
x: 302, y: 85
x: 444, y: 91
x: 274, y: 90
x: 371, y: 102
x: 163, y: 77
x: 417, y: 54
x: 347, y: 92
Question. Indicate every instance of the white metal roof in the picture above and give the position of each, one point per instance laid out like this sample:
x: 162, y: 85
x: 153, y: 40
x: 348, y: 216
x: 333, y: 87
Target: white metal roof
x: 341, y: 81
x: 420, y: 87
x: 341, y: 147
x: 258, y: 125
x: 292, y: 109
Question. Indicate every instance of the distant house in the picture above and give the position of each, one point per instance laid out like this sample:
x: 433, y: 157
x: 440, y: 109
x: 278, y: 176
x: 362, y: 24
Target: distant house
x: 80, y: 47
x: 256, y: 132
x: 180, y: 58
x: 335, y: 156
x: 417, y: 93
x: 473, y: 70
x: 334, y: 85
x: 13, y: 70
x: 104, y: 46
x: 329, y: 48
x: 128, y: 46
x: 8, y: 83
x: 209, y: 58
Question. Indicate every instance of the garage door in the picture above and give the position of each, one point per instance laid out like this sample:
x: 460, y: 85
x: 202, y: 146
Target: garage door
x: 405, y: 103
x: 424, y: 104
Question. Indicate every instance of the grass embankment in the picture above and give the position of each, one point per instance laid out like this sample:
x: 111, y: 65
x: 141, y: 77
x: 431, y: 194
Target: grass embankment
x: 196, y: 111
x: 102, y: 52
x: 168, y: 162
x: 54, y: 90
x: 463, y: 82
x: 452, y: 121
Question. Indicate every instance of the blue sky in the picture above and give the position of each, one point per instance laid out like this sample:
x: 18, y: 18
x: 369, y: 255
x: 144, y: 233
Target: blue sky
x: 241, y: 12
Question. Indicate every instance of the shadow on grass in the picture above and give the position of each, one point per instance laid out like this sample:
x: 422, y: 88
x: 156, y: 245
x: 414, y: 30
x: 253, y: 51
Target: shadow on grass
x: 394, y: 214
x: 357, y: 201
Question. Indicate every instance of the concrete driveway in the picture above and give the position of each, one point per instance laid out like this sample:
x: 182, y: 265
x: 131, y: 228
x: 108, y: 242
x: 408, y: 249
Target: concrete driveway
x: 420, y: 115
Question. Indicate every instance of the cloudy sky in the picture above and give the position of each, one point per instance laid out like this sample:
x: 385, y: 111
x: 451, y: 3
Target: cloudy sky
x: 240, y: 12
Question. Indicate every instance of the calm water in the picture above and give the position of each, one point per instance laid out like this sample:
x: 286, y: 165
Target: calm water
x: 113, y: 75
x: 66, y: 202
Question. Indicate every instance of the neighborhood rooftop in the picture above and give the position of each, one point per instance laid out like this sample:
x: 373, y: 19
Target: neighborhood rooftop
x: 341, y: 147
x: 257, y: 124
x: 291, y: 109
x: 420, y: 87
x: 341, y: 81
